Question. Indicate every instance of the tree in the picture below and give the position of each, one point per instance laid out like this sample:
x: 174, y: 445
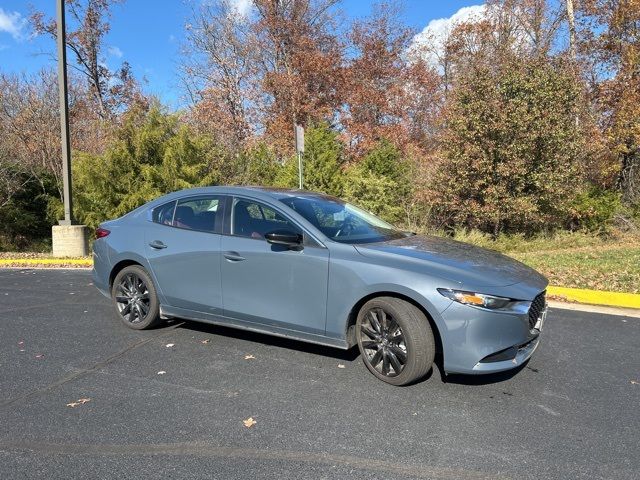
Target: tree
x: 152, y: 155
x: 300, y: 64
x: 388, y: 95
x: 609, y: 43
x: 512, y: 149
x: 220, y: 73
x: 259, y: 74
x: 110, y: 91
x: 30, y: 129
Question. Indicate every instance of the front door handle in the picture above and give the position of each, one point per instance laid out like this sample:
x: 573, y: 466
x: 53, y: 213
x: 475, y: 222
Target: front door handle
x: 233, y: 256
x: 157, y: 244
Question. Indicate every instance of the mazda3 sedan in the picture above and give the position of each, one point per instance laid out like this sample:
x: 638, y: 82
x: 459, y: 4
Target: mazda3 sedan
x: 311, y: 267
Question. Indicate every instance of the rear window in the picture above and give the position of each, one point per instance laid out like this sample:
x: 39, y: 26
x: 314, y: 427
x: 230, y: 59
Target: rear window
x: 164, y: 213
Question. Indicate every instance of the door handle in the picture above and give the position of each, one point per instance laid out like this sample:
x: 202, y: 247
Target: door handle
x: 233, y: 256
x: 157, y: 244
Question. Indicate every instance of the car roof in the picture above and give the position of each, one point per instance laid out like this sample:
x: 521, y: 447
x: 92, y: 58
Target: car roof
x: 271, y: 192
x: 279, y: 193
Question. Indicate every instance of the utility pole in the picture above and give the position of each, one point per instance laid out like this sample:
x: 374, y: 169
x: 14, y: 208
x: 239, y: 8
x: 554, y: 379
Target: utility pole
x: 68, y: 239
x: 64, y: 114
x: 299, y: 133
x: 571, y: 18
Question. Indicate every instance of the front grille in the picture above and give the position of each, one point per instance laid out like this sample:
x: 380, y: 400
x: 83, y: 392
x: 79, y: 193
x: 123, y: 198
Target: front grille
x: 537, y: 307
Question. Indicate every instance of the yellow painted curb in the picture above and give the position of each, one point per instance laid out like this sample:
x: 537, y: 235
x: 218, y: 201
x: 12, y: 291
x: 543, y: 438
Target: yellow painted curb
x: 17, y: 262
x: 596, y: 297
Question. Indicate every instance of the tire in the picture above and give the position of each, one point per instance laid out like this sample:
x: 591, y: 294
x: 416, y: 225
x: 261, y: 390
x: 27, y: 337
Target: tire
x: 402, y: 333
x: 135, y: 299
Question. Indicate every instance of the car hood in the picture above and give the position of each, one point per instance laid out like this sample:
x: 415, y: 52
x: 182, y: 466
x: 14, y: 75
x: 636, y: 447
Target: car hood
x: 457, y: 261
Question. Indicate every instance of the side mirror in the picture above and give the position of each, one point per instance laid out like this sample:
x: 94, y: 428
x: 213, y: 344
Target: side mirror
x: 284, y: 237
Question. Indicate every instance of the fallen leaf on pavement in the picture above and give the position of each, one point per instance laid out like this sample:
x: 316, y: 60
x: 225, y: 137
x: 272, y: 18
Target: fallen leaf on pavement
x: 249, y: 422
x: 169, y: 345
x: 249, y: 357
x: 340, y: 365
x: 80, y: 401
x: 161, y: 372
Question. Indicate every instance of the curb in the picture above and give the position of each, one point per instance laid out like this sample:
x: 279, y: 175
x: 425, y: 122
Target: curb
x: 595, y: 297
x: 35, y: 262
x: 583, y: 307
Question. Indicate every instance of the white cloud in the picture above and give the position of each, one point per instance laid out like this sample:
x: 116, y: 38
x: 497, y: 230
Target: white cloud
x: 435, y: 33
x: 12, y: 23
x: 115, y: 51
x: 242, y: 7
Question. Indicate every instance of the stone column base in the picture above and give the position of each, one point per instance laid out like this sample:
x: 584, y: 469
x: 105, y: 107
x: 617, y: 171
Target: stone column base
x: 69, y: 241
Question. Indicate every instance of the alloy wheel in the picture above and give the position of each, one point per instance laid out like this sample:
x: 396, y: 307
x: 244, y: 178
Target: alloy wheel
x: 383, y: 342
x: 132, y: 298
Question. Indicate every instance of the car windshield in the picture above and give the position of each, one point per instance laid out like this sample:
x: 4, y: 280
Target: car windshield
x: 341, y: 221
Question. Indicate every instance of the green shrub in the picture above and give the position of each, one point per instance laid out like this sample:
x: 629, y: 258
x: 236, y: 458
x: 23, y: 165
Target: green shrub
x: 152, y: 155
x: 594, y: 208
x: 322, y: 163
x: 24, y: 220
x: 381, y: 183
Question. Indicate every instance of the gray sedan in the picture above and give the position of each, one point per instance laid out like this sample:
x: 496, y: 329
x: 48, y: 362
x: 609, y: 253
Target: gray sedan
x: 311, y: 267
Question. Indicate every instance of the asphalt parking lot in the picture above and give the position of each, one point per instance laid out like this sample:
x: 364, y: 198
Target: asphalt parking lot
x: 572, y: 412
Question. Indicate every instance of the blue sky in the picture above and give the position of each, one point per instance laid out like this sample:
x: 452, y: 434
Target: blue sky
x: 148, y: 35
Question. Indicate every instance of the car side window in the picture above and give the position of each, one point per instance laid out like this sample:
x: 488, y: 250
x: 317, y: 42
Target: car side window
x: 254, y: 220
x: 164, y: 213
x: 197, y: 213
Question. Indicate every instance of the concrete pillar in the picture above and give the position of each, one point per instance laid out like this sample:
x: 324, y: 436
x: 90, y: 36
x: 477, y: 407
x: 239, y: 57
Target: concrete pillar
x: 70, y: 241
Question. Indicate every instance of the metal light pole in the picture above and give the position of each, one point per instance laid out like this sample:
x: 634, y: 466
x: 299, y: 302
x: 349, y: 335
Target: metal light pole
x: 67, y: 238
x: 64, y: 115
x: 299, y: 132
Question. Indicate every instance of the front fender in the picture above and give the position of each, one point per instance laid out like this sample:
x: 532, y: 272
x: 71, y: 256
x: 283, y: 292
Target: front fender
x: 351, y: 280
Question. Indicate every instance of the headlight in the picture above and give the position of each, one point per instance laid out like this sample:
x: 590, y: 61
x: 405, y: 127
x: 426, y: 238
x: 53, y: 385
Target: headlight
x: 482, y: 300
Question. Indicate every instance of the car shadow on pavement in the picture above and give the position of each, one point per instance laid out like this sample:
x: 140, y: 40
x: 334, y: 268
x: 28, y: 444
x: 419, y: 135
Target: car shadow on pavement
x: 344, y: 355
x: 483, y: 379
x: 270, y: 340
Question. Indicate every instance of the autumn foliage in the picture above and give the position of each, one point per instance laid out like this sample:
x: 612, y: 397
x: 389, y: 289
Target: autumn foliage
x: 523, y: 119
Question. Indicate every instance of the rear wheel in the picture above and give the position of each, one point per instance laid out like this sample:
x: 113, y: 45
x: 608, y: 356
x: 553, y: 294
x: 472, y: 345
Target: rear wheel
x: 395, y: 340
x: 135, y: 299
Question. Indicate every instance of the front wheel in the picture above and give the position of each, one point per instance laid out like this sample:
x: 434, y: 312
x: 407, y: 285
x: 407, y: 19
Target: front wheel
x: 395, y: 340
x: 135, y: 299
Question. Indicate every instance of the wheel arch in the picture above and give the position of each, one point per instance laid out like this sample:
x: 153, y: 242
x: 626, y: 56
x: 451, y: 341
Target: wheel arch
x: 353, y: 315
x: 118, y: 267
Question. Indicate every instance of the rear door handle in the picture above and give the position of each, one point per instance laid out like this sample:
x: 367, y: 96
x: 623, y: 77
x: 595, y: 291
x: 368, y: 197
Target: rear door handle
x: 233, y: 256
x: 157, y: 244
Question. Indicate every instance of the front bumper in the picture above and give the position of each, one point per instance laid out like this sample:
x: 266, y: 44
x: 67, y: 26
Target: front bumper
x: 478, y: 341
x: 523, y: 353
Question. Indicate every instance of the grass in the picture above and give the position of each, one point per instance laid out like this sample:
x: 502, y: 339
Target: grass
x: 33, y: 259
x: 575, y: 260
x: 614, y: 268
